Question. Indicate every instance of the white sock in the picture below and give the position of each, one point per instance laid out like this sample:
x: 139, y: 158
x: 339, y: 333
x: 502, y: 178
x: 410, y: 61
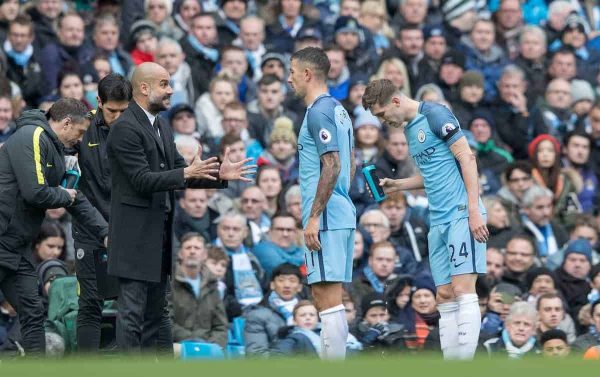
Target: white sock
x: 449, y: 329
x: 469, y: 325
x: 334, y: 333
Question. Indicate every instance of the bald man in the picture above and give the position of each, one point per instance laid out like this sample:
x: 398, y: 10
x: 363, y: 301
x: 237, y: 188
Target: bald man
x: 146, y: 168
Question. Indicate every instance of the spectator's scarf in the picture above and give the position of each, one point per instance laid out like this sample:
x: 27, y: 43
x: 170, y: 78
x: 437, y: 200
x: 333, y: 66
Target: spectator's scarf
x: 209, y: 53
x: 515, y: 352
x: 295, y: 28
x: 115, y: 64
x: 312, y: 336
x: 231, y: 25
x: 285, y: 308
x: 20, y: 58
x: 546, y: 244
x: 247, y: 287
x: 377, y: 285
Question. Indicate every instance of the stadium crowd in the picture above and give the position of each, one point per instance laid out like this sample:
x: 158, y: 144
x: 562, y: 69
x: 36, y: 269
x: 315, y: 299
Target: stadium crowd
x: 521, y: 76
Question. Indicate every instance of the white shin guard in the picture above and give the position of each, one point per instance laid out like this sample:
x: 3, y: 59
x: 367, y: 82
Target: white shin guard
x: 334, y: 333
x: 469, y: 325
x: 448, y: 326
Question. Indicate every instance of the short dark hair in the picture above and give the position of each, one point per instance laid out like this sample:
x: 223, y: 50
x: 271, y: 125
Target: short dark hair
x: 114, y: 87
x: 230, y: 48
x: 378, y: 92
x: 408, y: 27
x: 217, y: 254
x: 482, y: 288
x: 564, y: 50
x: 191, y: 235
x: 578, y: 133
x: 525, y: 237
x: 267, y: 80
x: 281, y: 214
x: 314, y: 57
x: 286, y: 269
x: 227, y: 140
x: 68, y: 108
x: 62, y: 16
x: 517, y: 165
x: 23, y: 20
x: 553, y: 334
x: 203, y: 15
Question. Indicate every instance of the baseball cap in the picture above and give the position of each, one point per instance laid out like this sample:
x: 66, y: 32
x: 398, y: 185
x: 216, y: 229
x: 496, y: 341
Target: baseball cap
x: 180, y: 108
x: 346, y: 24
x: 309, y: 33
x: 372, y: 300
x: 272, y: 56
x: 454, y: 57
x: 433, y: 31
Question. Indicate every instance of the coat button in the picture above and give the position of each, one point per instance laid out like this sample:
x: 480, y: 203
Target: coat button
x: 162, y: 165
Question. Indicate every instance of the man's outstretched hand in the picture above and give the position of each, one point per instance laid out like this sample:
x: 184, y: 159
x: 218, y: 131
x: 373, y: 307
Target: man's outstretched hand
x: 200, y: 169
x: 233, y: 171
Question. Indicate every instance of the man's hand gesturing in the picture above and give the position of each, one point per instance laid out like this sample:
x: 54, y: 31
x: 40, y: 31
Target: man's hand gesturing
x: 200, y: 169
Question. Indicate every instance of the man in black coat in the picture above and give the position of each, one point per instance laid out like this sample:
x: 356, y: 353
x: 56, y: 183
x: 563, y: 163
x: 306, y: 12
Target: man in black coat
x: 114, y: 94
x: 32, y: 166
x: 145, y: 168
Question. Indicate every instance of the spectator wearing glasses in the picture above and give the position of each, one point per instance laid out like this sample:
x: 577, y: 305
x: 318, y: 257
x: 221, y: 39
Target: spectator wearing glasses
x: 281, y: 247
x: 253, y: 204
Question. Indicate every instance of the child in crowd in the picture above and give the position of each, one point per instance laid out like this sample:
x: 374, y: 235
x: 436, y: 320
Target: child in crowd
x: 303, y: 337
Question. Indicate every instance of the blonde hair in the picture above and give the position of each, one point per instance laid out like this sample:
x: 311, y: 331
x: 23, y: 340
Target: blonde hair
x: 399, y: 64
x: 223, y: 76
x: 377, y: 7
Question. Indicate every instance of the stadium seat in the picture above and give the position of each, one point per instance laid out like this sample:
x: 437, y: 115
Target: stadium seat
x: 237, y: 331
x: 201, y: 351
x: 235, y: 351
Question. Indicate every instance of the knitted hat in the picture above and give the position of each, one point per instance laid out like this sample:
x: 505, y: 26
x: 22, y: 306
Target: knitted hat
x: 579, y: 246
x: 365, y: 118
x: 433, y: 31
x: 581, y: 90
x: 139, y: 28
x: 179, y: 108
x: 372, y: 300
x: 534, y: 273
x: 424, y: 281
x: 309, y: 33
x: 283, y: 129
x: 535, y: 142
x: 273, y: 56
x: 471, y: 78
x: 358, y: 78
x: 485, y: 115
x: 454, y: 57
x: 455, y: 8
x: 553, y: 334
x: 573, y: 22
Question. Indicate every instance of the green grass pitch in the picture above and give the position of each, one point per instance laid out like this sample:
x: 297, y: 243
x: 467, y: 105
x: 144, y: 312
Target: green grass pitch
x: 364, y: 366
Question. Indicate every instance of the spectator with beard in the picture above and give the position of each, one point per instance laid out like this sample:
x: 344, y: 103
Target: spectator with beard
x: 378, y: 273
x: 253, y: 205
x: 200, y: 52
x: 281, y: 246
x: 552, y: 316
x: 197, y: 311
x: 572, y: 275
x: 494, y: 265
x: 69, y: 51
x: 576, y: 151
x: 516, y: 181
x: 537, y: 220
x: 409, y: 232
x: 519, y: 259
x: 532, y: 60
x: 193, y: 215
x: 498, y: 222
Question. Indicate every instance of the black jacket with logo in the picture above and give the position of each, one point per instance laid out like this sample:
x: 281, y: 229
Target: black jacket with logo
x: 32, y: 166
x: 95, y: 178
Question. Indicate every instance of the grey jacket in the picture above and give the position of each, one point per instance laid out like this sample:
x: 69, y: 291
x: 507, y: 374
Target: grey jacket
x: 262, y: 325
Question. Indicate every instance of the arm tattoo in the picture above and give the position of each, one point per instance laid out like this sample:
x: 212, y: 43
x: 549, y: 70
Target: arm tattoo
x: 352, y: 166
x: 330, y: 170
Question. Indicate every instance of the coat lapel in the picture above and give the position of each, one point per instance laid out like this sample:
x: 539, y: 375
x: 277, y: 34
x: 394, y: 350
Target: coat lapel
x: 145, y: 124
x: 165, y: 131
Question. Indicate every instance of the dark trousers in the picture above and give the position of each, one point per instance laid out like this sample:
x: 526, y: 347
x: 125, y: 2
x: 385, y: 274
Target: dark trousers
x: 89, y: 316
x: 143, y: 322
x: 21, y: 289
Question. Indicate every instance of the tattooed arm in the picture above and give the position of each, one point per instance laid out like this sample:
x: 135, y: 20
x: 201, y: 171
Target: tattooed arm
x: 330, y: 170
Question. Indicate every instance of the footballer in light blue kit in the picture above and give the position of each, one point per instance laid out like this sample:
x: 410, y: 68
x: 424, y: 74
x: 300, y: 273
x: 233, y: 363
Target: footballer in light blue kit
x: 458, y: 234
x: 325, y: 146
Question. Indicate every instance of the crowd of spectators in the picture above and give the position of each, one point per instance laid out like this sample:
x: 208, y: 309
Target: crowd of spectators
x: 521, y: 76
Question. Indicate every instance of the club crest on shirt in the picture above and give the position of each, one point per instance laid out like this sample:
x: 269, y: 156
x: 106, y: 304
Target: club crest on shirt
x: 325, y: 136
x: 421, y: 136
x: 447, y: 128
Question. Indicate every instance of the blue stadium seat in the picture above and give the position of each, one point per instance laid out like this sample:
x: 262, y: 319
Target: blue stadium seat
x: 237, y: 331
x: 235, y: 352
x: 201, y: 351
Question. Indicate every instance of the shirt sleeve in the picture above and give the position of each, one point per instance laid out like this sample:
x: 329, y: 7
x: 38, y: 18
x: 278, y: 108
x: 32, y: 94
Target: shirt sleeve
x: 444, y: 124
x: 323, y: 130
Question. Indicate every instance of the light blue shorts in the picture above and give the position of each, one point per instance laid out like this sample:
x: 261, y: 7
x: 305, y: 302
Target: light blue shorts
x: 454, y: 251
x: 333, y: 263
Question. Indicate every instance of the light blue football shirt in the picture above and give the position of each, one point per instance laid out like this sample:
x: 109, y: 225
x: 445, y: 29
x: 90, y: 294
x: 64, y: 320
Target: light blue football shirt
x: 430, y: 135
x: 326, y: 128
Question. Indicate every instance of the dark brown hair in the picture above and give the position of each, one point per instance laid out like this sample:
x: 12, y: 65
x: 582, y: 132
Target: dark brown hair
x: 378, y: 92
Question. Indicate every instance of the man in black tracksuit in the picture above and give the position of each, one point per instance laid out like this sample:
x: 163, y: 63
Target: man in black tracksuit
x: 114, y: 94
x: 32, y: 166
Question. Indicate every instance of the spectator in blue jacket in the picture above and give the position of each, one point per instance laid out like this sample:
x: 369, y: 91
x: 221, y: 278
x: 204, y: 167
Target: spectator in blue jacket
x: 338, y: 78
x: 281, y: 248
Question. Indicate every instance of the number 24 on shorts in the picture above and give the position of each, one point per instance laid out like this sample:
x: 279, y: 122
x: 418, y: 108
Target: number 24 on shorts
x: 462, y: 252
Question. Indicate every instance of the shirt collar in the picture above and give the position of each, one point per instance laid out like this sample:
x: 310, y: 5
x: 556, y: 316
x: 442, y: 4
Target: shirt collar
x: 150, y: 116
